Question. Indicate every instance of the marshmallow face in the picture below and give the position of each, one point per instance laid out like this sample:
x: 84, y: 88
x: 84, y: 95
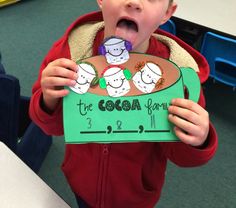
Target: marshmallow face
x: 145, y: 79
x: 116, y: 51
x: 86, y: 74
x: 116, y: 83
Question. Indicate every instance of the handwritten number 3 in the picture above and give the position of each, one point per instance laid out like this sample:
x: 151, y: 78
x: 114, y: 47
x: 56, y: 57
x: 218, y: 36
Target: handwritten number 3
x: 89, y: 123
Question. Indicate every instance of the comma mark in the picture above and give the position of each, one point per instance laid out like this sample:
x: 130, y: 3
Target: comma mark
x: 141, y: 129
x: 109, y: 129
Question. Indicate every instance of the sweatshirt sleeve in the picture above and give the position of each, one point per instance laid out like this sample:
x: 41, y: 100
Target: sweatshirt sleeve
x: 185, y: 155
x: 51, y: 124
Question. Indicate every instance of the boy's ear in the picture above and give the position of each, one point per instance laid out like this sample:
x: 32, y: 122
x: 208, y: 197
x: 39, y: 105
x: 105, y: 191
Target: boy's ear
x: 170, y: 11
x: 99, y: 2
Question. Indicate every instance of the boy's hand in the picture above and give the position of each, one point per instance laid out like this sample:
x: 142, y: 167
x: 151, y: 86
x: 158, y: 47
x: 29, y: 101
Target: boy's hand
x: 57, y: 74
x: 191, y: 121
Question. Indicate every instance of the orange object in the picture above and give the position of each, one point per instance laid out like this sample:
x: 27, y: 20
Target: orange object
x: 7, y: 2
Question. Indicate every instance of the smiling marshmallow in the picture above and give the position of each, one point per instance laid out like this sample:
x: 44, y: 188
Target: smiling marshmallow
x: 116, y: 50
x: 147, y: 78
x: 86, y: 75
x: 115, y: 80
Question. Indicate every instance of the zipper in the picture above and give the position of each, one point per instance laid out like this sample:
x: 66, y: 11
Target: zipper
x: 105, y: 149
x: 103, y: 174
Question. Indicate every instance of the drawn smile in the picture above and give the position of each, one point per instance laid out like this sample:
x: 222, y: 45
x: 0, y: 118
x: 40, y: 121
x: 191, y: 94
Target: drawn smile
x: 122, y: 50
x: 117, y: 87
x: 145, y: 81
x: 80, y: 83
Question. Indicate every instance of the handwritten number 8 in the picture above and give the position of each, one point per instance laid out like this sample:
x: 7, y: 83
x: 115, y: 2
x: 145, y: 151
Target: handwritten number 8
x: 119, y: 123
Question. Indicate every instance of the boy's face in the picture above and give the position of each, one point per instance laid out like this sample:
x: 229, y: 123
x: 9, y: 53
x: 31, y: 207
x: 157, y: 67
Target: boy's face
x: 135, y: 20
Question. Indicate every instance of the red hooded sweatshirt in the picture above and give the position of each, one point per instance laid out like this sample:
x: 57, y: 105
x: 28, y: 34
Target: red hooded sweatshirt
x: 124, y: 174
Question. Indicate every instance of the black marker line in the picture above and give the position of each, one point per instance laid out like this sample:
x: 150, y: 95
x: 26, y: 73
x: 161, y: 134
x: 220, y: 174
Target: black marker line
x: 156, y: 131
x: 93, y: 132
x: 127, y: 131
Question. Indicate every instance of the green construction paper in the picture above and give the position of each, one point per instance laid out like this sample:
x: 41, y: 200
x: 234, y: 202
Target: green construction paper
x: 142, y: 118
x: 128, y: 74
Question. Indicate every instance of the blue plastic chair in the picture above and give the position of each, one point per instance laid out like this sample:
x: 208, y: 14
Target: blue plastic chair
x: 220, y: 53
x: 17, y: 130
x: 169, y: 26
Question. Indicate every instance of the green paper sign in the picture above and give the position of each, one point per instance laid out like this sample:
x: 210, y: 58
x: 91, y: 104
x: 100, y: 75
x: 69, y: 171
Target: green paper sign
x: 98, y: 118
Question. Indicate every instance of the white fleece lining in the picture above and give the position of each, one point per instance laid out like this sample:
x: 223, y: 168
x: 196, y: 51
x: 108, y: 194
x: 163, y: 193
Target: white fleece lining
x: 81, y: 41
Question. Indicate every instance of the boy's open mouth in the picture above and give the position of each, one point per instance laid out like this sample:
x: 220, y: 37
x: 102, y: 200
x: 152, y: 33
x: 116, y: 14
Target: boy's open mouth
x: 127, y: 24
x: 127, y: 29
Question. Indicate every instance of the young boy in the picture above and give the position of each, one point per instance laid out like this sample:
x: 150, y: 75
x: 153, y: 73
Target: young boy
x: 132, y: 174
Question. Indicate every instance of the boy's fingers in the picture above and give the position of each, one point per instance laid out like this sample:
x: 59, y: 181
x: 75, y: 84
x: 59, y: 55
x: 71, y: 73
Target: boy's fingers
x: 183, y: 124
x: 185, y: 114
x: 56, y: 93
x: 62, y: 72
x: 187, y: 104
x: 189, y: 110
x: 65, y: 63
x: 187, y: 139
x: 57, y: 81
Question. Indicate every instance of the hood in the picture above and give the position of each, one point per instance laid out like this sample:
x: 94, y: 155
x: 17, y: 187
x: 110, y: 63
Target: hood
x: 89, y: 19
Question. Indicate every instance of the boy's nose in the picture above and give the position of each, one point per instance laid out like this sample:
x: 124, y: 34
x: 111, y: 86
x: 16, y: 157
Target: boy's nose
x: 134, y: 4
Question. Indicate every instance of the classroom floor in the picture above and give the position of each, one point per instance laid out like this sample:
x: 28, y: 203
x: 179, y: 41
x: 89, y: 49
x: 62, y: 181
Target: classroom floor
x: 27, y: 31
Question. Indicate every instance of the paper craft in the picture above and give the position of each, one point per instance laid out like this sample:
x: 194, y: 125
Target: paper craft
x: 148, y: 77
x: 116, y: 50
x: 87, y: 76
x: 115, y: 80
x: 101, y: 116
